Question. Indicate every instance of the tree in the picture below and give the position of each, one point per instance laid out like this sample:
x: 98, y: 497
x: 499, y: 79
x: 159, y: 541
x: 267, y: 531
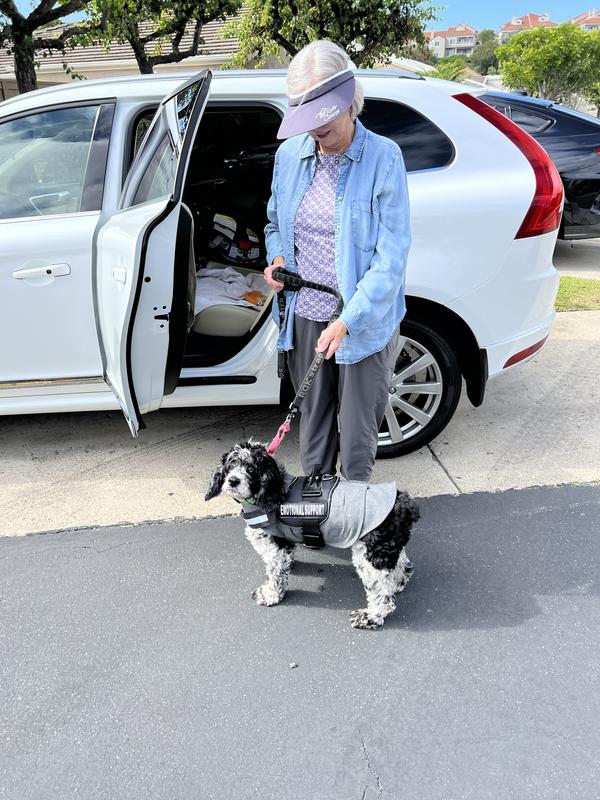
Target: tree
x: 449, y: 68
x: 484, y: 56
x: 592, y: 92
x: 369, y: 30
x: 155, y: 28
x: 592, y: 95
x: 554, y: 63
x: 17, y: 32
x: 419, y: 52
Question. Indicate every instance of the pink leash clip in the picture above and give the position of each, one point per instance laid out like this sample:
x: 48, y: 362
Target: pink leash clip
x: 284, y: 428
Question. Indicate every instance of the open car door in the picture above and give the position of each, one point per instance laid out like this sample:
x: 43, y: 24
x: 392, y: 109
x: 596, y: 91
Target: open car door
x: 144, y: 281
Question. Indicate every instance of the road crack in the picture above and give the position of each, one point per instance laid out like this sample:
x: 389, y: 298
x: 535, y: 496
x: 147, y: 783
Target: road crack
x: 369, y: 766
x: 450, y: 478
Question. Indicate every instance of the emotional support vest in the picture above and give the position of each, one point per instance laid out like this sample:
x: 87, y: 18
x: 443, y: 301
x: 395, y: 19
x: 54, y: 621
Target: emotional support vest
x: 348, y: 510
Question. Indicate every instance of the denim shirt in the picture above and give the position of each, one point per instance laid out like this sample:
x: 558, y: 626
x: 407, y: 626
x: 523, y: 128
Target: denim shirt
x: 372, y: 235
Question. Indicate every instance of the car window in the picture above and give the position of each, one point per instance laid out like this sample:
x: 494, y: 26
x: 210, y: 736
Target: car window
x: 423, y: 144
x: 499, y: 107
x: 154, y: 139
x: 531, y: 123
x: 140, y: 129
x: 43, y: 162
x: 159, y: 176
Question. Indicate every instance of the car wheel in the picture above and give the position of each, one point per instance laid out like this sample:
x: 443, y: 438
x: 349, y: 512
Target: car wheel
x: 424, y: 393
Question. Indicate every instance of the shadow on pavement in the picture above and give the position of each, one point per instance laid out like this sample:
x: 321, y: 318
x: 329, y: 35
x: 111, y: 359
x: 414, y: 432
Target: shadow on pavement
x: 486, y: 569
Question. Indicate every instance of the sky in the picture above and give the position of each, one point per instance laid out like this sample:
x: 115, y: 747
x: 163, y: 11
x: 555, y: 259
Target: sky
x: 492, y: 15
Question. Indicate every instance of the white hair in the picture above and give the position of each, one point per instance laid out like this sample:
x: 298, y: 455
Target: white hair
x: 316, y: 62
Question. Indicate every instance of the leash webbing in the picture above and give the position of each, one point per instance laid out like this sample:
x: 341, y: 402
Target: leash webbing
x: 293, y: 283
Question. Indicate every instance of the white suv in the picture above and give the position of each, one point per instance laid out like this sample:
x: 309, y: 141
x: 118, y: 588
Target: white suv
x: 108, y: 190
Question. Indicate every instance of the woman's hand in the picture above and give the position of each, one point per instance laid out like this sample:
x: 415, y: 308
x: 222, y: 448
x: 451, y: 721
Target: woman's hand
x: 331, y: 338
x: 277, y: 286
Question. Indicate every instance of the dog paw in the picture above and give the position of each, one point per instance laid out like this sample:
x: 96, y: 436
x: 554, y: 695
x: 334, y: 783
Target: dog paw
x: 359, y: 618
x: 266, y: 595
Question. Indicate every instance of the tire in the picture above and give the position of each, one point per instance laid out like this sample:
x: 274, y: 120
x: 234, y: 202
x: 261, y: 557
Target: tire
x: 415, y: 418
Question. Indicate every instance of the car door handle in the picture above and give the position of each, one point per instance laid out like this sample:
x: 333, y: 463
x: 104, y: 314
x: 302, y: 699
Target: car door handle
x: 52, y: 270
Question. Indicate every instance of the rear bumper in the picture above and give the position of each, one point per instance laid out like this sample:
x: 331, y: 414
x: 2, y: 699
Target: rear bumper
x: 526, y: 345
x: 514, y: 310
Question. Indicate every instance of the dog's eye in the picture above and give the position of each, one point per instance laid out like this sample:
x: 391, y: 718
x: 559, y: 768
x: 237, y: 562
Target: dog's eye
x: 252, y: 473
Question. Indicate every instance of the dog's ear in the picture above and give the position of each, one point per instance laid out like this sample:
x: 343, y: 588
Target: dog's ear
x: 271, y: 480
x: 217, y: 480
x: 409, y: 509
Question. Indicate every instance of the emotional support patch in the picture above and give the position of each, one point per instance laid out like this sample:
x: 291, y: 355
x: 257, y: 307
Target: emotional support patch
x: 302, y: 509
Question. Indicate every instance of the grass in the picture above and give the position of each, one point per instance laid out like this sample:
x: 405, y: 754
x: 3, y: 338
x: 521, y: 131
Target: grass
x: 578, y: 294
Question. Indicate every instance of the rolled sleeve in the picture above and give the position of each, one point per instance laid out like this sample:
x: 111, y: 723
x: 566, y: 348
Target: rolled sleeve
x: 379, y: 287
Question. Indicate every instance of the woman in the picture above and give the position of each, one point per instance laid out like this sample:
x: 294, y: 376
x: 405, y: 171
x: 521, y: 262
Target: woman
x: 338, y: 215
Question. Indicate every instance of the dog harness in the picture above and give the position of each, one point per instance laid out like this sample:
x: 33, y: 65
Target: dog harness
x: 322, y: 510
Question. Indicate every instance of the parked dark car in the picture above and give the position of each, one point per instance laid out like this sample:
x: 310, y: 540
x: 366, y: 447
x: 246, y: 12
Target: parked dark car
x: 572, y: 140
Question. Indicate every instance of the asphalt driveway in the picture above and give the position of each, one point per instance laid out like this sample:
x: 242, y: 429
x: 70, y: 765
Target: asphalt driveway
x: 135, y: 665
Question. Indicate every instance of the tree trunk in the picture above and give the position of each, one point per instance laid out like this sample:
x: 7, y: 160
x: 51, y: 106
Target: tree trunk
x: 24, y: 56
x: 144, y: 62
x: 146, y: 67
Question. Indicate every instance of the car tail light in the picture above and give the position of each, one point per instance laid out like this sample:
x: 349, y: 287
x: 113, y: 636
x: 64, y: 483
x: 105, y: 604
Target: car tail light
x: 597, y: 150
x: 529, y: 351
x: 545, y: 211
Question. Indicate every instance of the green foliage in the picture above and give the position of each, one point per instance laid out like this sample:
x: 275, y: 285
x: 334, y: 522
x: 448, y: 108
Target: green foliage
x: 154, y: 28
x: 484, y: 58
x: 419, y: 52
x: 592, y: 95
x: 449, y: 68
x: 591, y: 92
x: 555, y: 63
x: 370, y: 30
x: 17, y: 33
x: 486, y: 36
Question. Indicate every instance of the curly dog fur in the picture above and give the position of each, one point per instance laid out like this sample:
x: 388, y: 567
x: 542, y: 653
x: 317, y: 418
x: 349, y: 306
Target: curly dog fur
x: 247, y: 471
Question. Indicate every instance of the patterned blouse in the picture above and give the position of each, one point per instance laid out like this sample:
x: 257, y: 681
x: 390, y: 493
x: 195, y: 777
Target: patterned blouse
x: 314, y: 239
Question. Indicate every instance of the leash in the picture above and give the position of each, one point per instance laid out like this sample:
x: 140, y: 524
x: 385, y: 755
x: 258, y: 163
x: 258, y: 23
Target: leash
x: 293, y: 283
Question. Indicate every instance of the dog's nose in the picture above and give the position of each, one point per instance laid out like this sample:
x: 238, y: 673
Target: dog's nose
x: 233, y: 481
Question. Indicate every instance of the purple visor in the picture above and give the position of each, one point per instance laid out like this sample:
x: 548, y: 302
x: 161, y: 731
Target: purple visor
x: 322, y: 104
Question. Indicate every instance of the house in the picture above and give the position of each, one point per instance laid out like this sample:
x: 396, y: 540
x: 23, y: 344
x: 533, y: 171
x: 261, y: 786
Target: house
x: 97, y: 61
x: 456, y: 41
x: 526, y: 23
x: 589, y: 20
x: 436, y: 41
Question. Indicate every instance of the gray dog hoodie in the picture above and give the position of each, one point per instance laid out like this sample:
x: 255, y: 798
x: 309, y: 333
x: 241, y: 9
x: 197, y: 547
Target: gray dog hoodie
x: 356, y: 508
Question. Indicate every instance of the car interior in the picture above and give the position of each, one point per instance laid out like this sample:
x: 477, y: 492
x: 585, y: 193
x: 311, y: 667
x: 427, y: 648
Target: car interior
x: 228, y: 186
x: 227, y: 189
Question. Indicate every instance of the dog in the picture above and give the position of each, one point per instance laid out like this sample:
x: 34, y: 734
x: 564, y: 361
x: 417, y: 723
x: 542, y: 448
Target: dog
x: 255, y: 479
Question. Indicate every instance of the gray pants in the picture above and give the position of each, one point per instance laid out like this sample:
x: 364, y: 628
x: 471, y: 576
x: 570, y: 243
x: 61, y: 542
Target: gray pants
x: 354, y: 394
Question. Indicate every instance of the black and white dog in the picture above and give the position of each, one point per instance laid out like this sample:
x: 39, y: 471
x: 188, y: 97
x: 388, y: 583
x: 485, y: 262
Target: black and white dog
x: 251, y: 476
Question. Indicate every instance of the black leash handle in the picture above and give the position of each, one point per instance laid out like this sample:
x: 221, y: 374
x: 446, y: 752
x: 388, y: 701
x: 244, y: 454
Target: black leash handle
x: 293, y: 282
